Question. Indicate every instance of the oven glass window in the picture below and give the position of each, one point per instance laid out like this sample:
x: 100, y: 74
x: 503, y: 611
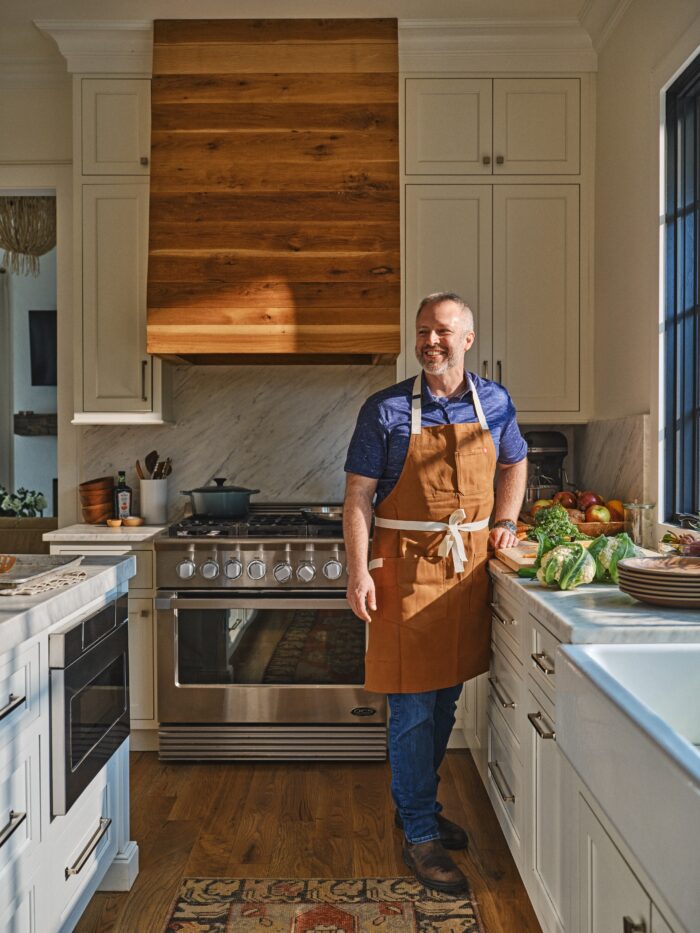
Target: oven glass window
x: 95, y: 708
x: 270, y: 646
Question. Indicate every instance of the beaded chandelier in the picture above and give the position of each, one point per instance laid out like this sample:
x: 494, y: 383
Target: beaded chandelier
x: 27, y: 231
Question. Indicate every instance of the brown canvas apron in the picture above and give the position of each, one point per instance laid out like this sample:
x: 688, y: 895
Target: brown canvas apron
x: 431, y: 628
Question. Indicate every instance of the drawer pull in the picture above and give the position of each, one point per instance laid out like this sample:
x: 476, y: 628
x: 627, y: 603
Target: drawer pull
x: 629, y: 926
x: 11, y: 705
x: 16, y: 820
x: 506, y: 704
x: 536, y: 719
x: 105, y: 823
x: 499, y: 617
x: 494, y: 771
x: 540, y: 658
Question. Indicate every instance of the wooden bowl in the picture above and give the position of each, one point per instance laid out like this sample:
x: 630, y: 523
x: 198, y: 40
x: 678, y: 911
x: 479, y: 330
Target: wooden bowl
x: 601, y: 528
x: 97, y: 497
x: 133, y: 521
x: 103, y: 482
x: 97, y: 514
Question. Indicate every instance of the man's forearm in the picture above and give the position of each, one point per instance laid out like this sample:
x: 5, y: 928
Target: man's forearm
x: 510, y: 490
x: 357, y: 519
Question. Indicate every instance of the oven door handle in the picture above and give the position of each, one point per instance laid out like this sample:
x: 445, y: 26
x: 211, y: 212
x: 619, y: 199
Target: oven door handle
x: 169, y: 603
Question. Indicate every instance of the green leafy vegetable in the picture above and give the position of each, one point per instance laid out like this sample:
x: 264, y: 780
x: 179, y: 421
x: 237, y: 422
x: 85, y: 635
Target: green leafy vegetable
x: 567, y: 566
x: 608, y: 552
x: 555, y: 525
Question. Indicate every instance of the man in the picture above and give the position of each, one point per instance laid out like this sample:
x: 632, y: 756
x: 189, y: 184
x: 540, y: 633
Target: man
x: 429, y: 449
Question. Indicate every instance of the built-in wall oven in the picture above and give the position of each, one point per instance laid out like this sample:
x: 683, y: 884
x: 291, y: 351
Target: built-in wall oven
x: 259, y: 653
x: 89, y: 662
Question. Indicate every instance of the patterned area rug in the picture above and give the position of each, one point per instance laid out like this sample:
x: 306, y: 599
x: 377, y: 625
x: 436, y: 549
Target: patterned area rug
x: 380, y: 905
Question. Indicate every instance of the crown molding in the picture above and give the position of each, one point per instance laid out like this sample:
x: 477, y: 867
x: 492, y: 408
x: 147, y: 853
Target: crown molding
x: 102, y: 46
x: 494, y: 45
x: 600, y: 18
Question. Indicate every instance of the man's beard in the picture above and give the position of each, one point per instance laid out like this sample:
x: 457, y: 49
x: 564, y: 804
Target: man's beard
x: 438, y: 367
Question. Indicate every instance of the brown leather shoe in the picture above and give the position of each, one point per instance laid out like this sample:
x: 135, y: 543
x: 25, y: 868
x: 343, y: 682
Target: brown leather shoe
x: 452, y: 836
x: 434, y: 868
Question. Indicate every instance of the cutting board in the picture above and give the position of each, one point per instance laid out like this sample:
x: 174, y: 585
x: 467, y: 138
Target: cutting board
x: 521, y: 556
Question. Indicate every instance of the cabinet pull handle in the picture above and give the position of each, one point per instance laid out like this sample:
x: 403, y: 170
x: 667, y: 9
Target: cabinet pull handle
x: 486, y: 160
x: 16, y: 820
x: 93, y: 842
x: 485, y: 369
x: 144, y: 160
x: 629, y: 926
x: 536, y: 719
x: 499, y: 617
x: 144, y: 367
x: 12, y: 704
x: 539, y: 658
x: 494, y: 771
x: 499, y: 366
x: 499, y: 160
x: 506, y: 704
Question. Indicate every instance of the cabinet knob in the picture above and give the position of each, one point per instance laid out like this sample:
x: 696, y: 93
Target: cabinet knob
x: 629, y: 926
x: 144, y: 160
x: 486, y: 160
x: 499, y: 160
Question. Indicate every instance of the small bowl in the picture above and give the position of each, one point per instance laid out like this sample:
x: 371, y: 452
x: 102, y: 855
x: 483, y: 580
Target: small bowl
x: 90, y: 485
x: 133, y: 521
x: 114, y: 522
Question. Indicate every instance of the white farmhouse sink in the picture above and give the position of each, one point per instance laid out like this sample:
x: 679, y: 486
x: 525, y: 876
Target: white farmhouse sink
x: 628, y: 720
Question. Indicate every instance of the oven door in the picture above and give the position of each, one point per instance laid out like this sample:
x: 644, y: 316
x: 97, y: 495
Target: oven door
x: 262, y: 657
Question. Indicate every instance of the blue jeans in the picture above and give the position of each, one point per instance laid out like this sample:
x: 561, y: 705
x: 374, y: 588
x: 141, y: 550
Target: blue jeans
x: 419, y: 729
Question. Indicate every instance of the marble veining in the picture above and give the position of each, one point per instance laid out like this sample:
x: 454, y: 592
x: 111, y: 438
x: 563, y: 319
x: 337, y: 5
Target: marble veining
x: 612, y: 457
x: 281, y: 429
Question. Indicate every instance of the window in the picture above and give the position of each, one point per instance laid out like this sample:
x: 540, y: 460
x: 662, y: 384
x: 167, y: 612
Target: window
x: 682, y: 308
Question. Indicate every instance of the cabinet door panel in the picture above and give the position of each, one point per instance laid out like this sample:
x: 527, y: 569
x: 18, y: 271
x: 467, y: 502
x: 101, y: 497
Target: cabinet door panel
x: 536, y: 295
x: 117, y: 370
x: 448, y: 248
x: 536, y: 126
x: 448, y: 126
x: 141, y: 685
x: 609, y: 891
x: 116, y: 126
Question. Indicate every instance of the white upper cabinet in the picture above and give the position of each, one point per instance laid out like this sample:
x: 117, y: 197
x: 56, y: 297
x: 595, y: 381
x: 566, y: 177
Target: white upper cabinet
x: 500, y: 126
x: 116, y: 126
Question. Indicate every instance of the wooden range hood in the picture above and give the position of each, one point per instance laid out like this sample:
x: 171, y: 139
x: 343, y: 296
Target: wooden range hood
x: 274, y: 211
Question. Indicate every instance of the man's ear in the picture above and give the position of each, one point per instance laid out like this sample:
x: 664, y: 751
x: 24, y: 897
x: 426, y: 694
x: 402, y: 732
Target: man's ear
x: 469, y: 340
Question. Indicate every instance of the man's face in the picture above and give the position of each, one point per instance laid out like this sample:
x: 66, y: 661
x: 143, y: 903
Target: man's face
x: 441, y: 339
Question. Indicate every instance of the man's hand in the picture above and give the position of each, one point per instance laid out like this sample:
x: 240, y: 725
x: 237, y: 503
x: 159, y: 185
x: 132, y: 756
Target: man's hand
x: 361, y: 594
x: 501, y: 537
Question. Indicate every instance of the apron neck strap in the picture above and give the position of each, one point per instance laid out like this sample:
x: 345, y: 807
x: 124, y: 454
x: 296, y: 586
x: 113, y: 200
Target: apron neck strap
x: 416, y: 405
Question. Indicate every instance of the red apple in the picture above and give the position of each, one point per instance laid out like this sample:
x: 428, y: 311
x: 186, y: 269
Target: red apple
x: 616, y: 509
x: 540, y: 504
x: 585, y: 499
x: 565, y: 498
x: 576, y: 516
x: 597, y: 513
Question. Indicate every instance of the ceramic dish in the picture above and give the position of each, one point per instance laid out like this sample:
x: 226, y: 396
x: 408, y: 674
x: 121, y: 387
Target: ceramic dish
x: 668, y: 566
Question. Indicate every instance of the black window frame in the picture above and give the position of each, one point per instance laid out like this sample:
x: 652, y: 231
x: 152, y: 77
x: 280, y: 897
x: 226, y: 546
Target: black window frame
x: 681, y: 349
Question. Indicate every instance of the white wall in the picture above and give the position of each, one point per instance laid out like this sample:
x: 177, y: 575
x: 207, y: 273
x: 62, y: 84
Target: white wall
x: 36, y: 123
x: 626, y: 221
x: 34, y: 457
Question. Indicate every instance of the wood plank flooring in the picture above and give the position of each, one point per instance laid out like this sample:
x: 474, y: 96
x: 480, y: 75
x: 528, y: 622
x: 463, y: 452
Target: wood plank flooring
x: 293, y: 819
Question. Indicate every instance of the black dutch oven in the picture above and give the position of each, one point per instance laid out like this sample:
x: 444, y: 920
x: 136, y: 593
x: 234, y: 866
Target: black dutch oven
x: 220, y: 501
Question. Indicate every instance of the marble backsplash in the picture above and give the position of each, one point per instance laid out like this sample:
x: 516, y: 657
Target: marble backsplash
x: 612, y: 457
x: 281, y: 429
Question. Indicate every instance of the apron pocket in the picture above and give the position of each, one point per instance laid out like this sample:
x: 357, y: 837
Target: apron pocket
x: 411, y: 591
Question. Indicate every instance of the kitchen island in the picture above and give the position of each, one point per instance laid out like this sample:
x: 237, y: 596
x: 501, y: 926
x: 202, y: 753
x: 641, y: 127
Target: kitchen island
x: 580, y: 871
x: 56, y: 854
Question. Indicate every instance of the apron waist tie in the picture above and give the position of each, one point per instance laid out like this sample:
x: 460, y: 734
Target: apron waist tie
x: 451, y: 544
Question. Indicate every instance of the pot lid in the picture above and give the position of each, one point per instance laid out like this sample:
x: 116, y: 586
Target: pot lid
x: 219, y: 487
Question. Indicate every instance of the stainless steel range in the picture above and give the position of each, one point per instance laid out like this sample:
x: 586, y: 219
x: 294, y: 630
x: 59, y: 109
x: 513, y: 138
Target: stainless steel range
x: 259, y: 654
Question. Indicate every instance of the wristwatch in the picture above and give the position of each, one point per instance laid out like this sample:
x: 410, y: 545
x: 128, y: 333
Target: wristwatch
x: 506, y: 523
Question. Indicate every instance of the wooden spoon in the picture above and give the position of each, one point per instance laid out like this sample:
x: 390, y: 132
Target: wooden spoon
x: 7, y: 562
x: 151, y: 460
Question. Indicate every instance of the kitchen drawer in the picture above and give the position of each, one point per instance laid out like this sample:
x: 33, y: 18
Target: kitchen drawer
x: 19, y: 691
x: 144, y: 560
x: 543, y: 646
x: 19, y: 916
x: 506, y: 694
x: 83, y: 842
x: 505, y: 786
x: 20, y: 810
x: 510, y: 619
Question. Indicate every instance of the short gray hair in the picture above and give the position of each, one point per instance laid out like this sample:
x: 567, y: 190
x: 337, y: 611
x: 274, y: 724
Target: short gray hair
x: 438, y: 297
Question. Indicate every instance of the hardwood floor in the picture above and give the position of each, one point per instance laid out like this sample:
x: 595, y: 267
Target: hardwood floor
x: 292, y: 819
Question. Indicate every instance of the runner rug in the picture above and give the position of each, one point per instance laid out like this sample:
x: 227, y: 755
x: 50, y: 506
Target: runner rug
x: 379, y: 905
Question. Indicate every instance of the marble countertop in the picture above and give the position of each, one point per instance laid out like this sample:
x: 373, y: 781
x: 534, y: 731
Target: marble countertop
x: 23, y: 617
x: 598, y: 613
x: 100, y: 534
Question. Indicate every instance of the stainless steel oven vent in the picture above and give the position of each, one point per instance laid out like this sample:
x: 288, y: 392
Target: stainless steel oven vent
x: 274, y: 742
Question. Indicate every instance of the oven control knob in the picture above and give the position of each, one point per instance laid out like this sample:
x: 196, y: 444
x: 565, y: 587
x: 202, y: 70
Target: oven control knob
x: 257, y: 569
x: 209, y: 569
x: 306, y: 572
x: 233, y: 569
x: 332, y: 569
x: 185, y: 569
x: 283, y: 572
